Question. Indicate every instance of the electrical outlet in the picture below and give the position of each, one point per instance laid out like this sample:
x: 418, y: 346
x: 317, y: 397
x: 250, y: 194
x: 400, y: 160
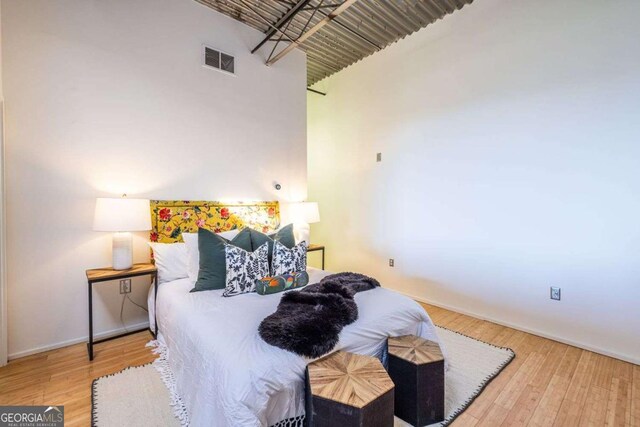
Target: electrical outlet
x: 555, y: 293
x: 125, y: 286
x: 378, y: 157
x: 391, y: 262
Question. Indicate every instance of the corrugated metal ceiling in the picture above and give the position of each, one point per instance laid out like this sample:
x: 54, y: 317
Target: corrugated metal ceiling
x: 365, y: 27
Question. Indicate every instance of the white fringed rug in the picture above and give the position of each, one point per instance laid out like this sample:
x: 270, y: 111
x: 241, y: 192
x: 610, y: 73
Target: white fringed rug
x: 137, y: 396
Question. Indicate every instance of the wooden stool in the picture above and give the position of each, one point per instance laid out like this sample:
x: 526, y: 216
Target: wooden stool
x: 416, y: 366
x: 346, y: 389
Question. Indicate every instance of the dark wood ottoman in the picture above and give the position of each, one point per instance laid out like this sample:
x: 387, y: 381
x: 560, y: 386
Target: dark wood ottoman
x: 416, y: 366
x: 346, y: 389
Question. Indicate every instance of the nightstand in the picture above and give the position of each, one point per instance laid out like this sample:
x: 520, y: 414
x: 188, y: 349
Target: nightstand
x: 97, y: 275
x: 313, y: 248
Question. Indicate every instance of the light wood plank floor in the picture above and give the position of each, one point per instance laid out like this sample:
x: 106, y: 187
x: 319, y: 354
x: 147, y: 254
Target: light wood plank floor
x: 548, y: 383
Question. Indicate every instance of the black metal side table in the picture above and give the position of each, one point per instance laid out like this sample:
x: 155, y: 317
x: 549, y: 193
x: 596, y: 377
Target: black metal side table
x: 107, y: 274
x: 313, y: 248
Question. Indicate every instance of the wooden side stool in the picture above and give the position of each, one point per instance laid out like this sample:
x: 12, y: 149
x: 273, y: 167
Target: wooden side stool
x: 346, y: 389
x: 416, y: 366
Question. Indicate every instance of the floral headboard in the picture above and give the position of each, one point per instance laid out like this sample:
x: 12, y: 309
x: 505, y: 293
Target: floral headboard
x: 170, y: 218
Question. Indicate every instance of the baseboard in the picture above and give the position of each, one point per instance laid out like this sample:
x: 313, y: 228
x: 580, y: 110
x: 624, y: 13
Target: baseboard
x: 543, y: 334
x: 85, y: 339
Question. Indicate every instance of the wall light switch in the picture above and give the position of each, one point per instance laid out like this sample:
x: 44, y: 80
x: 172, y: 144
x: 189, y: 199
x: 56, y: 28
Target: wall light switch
x: 379, y: 157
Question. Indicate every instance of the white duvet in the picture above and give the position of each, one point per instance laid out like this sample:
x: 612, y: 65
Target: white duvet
x: 226, y: 375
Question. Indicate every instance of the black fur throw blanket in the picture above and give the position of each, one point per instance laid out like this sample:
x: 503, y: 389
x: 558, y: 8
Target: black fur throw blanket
x: 308, y: 322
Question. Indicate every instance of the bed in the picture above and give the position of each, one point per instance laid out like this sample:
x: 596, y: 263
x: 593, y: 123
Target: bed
x: 223, y: 374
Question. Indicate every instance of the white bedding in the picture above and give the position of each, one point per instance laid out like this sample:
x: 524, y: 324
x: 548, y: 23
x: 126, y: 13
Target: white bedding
x: 227, y: 375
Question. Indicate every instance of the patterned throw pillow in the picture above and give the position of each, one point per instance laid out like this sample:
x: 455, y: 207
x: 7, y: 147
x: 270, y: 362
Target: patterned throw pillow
x: 244, y: 268
x: 272, y: 285
x: 288, y: 261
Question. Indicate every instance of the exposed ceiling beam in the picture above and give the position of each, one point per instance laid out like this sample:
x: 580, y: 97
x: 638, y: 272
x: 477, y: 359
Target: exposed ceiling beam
x: 316, y: 91
x: 285, y: 18
x: 324, y: 6
x: 364, y: 28
x: 244, y: 4
x: 331, y: 16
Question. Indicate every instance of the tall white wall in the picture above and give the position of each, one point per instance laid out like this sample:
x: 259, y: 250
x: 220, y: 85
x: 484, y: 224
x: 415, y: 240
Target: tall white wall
x: 510, y: 141
x: 3, y: 269
x: 106, y: 97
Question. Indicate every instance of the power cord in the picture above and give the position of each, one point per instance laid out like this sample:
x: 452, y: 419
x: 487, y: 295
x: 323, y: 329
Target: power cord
x: 121, y: 318
x: 135, y: 303
x: 124, y: 298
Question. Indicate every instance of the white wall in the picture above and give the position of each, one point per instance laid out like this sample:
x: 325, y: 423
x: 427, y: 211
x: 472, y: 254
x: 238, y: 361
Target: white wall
x: 510, y: 137
x: 3, y: 269
x: 106, y: 97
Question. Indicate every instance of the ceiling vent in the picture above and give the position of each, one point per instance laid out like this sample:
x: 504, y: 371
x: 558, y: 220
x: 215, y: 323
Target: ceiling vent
x: 219, y: 60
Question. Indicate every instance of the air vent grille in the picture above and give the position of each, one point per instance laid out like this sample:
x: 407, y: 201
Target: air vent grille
x: 211, y: 57
x: 226, y: 62
x: 219, y: 60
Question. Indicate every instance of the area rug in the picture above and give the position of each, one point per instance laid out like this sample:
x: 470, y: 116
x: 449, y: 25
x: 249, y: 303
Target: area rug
x: 138, y: 396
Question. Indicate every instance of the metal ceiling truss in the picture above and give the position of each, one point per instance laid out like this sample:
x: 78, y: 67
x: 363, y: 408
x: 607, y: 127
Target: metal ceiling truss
x: 333, y: 34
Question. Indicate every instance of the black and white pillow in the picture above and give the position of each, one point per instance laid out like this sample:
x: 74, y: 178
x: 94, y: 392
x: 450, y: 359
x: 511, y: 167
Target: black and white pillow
x: 288, y: 261
x: 244, y: 268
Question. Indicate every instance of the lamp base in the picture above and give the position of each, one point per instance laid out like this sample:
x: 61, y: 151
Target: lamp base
x: 122, y: 251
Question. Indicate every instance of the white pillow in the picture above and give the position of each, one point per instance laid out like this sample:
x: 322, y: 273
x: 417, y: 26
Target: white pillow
x: 171, y: 261
x: 193, y: 253
x: 229, y: 234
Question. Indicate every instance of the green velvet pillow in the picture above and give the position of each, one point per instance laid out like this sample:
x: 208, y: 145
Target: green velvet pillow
x: 284, y: 236
x: 213, y: 268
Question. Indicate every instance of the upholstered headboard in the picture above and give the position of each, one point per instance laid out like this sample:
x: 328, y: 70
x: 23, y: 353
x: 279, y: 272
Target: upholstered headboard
x: 170, y: 218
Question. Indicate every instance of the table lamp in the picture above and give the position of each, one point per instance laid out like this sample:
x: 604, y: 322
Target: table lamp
x: 122, y: 216
x: 303, y: 214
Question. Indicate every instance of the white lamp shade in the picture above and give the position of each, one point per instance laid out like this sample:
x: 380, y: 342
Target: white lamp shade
x: 305, y: 212
x: 122, y: 215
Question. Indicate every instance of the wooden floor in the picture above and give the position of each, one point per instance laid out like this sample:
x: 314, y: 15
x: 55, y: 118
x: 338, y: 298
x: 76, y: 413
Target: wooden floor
x: 547, y: 384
